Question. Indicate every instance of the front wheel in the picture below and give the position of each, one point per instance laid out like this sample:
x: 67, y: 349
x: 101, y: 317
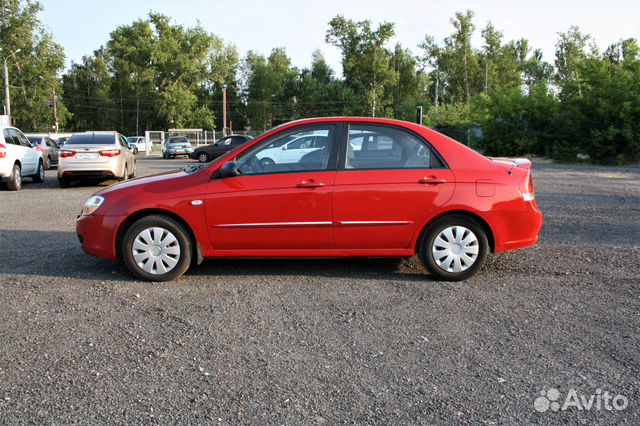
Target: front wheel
x: 47, y: 163
x: 203, y: 157
x: 453, y: 248
x: 157, y: 248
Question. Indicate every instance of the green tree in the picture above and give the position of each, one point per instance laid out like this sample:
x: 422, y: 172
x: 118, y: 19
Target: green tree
x: 34, y: 70
x: 365, y: 60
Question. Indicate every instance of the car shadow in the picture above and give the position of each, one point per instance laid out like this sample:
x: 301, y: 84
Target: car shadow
x: 58, y: 254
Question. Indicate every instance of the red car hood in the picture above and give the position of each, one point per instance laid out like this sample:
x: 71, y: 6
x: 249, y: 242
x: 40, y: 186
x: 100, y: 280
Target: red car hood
x: 174, y: 174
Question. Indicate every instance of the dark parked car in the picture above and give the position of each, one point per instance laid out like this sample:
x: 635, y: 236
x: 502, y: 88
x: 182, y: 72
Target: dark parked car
x: 49, y: 149
x: 211, y: 152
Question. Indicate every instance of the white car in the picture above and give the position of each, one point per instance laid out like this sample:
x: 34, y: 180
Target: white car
x: 293, y: 150
x: 137, y: 143
x: 18, y: 159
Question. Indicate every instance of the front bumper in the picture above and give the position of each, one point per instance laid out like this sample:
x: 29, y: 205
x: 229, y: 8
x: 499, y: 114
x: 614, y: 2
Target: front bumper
x: 97, y: 235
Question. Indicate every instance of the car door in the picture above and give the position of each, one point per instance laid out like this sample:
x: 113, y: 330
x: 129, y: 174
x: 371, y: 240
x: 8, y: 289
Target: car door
x: 276, y: 207
x: 15, y: 151
x: 53, y: 147
x: 29, y: 156
x: 128, y: 154
x: 388, y: 181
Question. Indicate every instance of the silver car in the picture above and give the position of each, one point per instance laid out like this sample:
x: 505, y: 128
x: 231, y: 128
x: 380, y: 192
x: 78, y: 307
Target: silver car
x: 49, y: 148
x: 95, y: 156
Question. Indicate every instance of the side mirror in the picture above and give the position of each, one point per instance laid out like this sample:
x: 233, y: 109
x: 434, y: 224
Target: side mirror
x: 228, y: 169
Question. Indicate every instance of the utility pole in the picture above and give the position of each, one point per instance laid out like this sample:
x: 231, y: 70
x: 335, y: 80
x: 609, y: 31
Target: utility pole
x: 7, y: 98
x: 224, y: 109
x: 55, y: 109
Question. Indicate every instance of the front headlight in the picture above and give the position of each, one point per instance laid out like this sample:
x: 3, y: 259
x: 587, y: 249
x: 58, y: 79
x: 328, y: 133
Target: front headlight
x: 92, y: 205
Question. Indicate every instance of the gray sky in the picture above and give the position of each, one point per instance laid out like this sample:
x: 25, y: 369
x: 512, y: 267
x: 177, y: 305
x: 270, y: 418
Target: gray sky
x: 81, y: 26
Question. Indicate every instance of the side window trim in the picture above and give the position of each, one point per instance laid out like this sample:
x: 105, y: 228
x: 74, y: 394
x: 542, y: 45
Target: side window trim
x: 345, y: 140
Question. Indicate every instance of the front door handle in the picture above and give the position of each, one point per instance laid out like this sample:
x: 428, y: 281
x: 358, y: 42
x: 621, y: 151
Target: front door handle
x: 432, y: 180
x: 310, y: 184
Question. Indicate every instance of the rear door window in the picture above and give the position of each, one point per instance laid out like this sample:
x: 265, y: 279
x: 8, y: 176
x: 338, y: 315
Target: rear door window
x: 386, y: 147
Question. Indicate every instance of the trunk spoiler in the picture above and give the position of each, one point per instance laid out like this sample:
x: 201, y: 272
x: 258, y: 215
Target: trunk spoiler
x: 523, y: 163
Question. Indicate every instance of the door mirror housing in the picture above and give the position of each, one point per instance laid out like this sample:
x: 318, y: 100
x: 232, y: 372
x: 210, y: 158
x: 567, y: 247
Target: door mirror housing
x: 228, y: 169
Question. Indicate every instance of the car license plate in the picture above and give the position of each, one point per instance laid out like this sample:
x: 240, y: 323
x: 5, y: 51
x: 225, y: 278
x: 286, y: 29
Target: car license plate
x: 87, y: 155
x: 180, y: 151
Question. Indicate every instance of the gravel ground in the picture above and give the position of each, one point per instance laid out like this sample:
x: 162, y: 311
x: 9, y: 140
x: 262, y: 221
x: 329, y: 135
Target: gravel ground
x: 324, y: 341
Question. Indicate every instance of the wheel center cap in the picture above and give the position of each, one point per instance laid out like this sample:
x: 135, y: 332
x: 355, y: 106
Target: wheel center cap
x: 155, y: 250
x: 456, y: 249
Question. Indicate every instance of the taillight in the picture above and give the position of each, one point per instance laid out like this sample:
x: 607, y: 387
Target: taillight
x: 3, y: 150
x: 39, y: 149
x: 110, y: 153
x: 66, y: 153
x: 527, y: 191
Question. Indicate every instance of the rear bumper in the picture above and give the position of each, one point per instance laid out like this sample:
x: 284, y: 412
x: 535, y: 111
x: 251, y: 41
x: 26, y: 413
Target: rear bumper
x: 97, y: 235
x: 112, y: 168
x: 87, y: 174
x: 514, y: 229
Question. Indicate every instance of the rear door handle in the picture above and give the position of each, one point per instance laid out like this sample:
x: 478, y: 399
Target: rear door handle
x: 310, y: 184
x: 432, y: 180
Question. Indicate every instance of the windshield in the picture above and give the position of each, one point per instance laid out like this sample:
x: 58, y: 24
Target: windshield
x: 195, y: 168
x: 132, y: 139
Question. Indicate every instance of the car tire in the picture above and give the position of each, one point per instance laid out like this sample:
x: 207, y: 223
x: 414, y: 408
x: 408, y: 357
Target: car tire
x: 203, y: 157
x: 453, y: 248
x: 15, y: 181
x: 40, y: 175
x: 135, y: 151
x: 64, y: 183
x: 267, y: 162
x: 125, y: 174
x: 47, y: 163
x: 138, y: 253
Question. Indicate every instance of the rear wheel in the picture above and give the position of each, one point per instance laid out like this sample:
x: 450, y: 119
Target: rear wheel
x: 203, y: 157
x: 39, y: 176
x: 453, y: 248
x: 157, y: 248
x: 125, y: 176
x: 267, y: 162
x: 15, y: 181
x: 47, y: 163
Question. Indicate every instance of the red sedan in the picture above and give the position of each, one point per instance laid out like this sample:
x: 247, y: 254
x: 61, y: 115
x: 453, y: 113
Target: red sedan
x: 326, y: 187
